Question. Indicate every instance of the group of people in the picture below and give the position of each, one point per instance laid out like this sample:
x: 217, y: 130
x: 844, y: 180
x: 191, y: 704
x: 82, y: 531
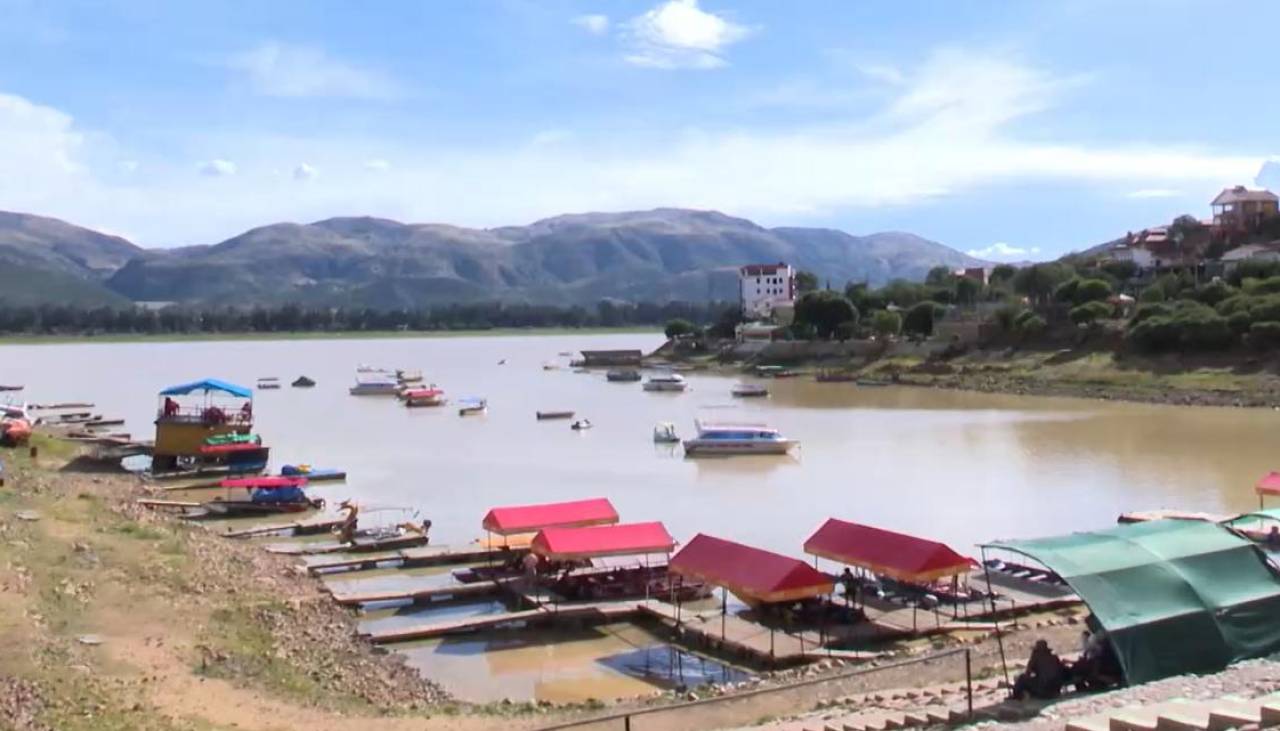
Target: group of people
x: 1046, y: 674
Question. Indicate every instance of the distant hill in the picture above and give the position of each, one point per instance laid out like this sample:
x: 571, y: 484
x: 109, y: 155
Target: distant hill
x: 47, y: 260
x: 659, y: 255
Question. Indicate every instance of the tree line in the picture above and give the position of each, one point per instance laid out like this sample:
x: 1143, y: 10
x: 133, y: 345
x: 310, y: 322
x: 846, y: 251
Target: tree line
x: 51, y: 319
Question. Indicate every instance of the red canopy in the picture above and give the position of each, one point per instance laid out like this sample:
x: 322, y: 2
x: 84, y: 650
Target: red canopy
x: 230, y: 448
x: 1269, y: 484
x: 632, y: 539
x: 884, y: 552
x: 752, y: 574
x: 265, y: 483
x: 533, y: 518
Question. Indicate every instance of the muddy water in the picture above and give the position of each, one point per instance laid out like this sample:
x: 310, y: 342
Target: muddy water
x: 963, y: 468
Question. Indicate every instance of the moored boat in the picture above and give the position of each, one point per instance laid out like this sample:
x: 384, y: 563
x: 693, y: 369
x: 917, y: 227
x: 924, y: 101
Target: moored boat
x: 666, y: 382
x: 623, y: 376
x: 581, y: 425
x: 472, y: 406
x: 374, y: 386
x: 749, y: 390
x: 431, y: 396
x: 406, y: 376
x: 544, y: 415
x: 735, y: 439
x: 303, y: 382
x: 270, y: 382
x: 313, y: 474
x: 665, y: 433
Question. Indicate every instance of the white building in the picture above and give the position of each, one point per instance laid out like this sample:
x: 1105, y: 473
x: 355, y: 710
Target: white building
x: 1136, y: 254
x: 764, y: 287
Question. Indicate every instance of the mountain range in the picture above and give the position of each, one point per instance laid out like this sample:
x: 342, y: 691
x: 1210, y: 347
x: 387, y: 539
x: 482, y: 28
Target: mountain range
x: 659, y: 255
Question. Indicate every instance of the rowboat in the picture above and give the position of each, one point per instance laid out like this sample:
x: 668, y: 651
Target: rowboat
x: 313, y: 474
x: 544, y: 415
x: 622, y: 376
x: 270, y: 382
x: 375, y: 387
x: 665, y: 433
x: 581, y: 425
x: 472, y: 406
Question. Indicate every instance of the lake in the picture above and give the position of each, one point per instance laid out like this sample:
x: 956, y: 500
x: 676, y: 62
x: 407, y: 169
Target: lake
x: 959, y: 467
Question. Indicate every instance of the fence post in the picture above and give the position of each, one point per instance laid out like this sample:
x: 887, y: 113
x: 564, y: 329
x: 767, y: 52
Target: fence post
x: 968, y: 679
x: 626, y: 720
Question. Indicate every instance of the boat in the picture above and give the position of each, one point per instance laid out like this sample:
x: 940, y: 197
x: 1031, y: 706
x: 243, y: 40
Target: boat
x: 472, y: 406
x: 11, y: 388
x: 749, y: 390
x: 550, y: 367
x: 665, y: 433
x: 409, y: 376
x: 544, y: 415
x: 731, y: 439
x: 266, y: 496
x: 774, y: 371
x: 431, y: 396
x: 666, y: 382
x: 365, y: 368
x: 268, y: 383
x: 303, y: 382
x: 313, y: 474
x: 375, y: 387
x: 623, y: 376
x: 581, y: 425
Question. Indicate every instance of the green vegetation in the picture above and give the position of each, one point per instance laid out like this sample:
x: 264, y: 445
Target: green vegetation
x: 826, y: 312
x: 678, y: 327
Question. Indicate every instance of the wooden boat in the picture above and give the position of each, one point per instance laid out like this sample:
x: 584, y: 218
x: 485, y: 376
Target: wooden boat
x: 544, y: 415
x: 416, y: 397
x: 266, y: 496
x: 409, y: 376
x: 303, y: 382
x: 665, y: 433
x: 268, y: 383
x: 375, y: 387
x: 313, y: 474
x: 393, y: 541
x: 665, y: 382
x: 625, y: 376
x: 11, y: 388
x: 472, y: 406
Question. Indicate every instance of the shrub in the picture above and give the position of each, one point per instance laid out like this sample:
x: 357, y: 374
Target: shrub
x: 1265, y: 309
x: 920, y: 318
x: 1155, y: 334
x: 1066, y: 292
x: 1006, y: 317
x: 1032, y: 325
x: 1151, y: 309
x: 1270, y: 285
x: 1239, y: 322
x: 677, y: 327
x: 886, y: 323
x: 1152, y: 294
x: 1264, y: 335
x: 1090, y: 312
x: 1214, y: 292
x: 1233, y: 304
x: 1091, y: 290
x: 1202, y: 331
x: 847, y: 330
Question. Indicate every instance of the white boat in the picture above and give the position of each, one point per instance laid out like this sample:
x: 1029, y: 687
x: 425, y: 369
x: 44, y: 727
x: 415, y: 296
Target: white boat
x: 472, y: 406
x: 666, y: 382
x: 375, y: 387
x: 749, y: 390
x: 581, y: 425
x: 729, y: 439
x: 665, y: 433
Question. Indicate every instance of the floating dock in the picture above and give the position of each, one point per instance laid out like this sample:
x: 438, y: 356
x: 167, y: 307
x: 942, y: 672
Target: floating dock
x: 416, y: 557
x: 296, y: 528
x: 423, y: 594
x: 602, y: 611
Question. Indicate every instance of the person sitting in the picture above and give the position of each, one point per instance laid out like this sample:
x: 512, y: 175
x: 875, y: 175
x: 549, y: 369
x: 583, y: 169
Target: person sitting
x: 170, y: 407
x: 1044, y: 677
x: 1273, y: 537
x: 1098, y: 667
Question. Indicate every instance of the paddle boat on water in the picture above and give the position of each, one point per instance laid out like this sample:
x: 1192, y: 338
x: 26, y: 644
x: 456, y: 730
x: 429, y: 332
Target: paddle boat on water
x: 749, y: 390
x: 416, y: 397
x: 470, y: 406
x: 737, y: 439
x: 666, y: 382
x: 665, y: 433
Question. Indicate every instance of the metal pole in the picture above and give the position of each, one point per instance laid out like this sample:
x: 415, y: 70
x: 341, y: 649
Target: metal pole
x: 968, y: 678
x: 626, y: 721
x: 995, y: 620
x: 724, y: 611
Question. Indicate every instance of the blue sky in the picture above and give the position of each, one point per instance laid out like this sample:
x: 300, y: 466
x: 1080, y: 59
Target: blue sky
x: 1013, y: 129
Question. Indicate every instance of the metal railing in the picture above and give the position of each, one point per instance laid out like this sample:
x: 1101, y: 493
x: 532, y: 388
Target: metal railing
x: 623, y: 719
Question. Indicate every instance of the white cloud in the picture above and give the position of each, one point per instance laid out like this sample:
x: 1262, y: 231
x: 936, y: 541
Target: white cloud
x: 1001, y: 251
x: 305, y: 171
x: 377, y: 165
x: 594, y: 24
x: 882, y: 73
x: 680, y: 34
x: 284, y: 70
x: 127, y: 167
x: 1145, y: 193
x: 217, y: 168
x: 1269, y: 174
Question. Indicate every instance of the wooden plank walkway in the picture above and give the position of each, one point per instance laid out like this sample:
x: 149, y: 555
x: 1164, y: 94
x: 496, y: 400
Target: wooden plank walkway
x: 736, y: 634
x: 426, y: 593
x: 415, y: 557
x: 310, y: 526
x: 543, y: 614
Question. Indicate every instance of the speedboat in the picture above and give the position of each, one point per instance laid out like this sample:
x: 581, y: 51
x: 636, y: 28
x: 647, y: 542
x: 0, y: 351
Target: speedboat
x: 375, y: 387
x: 749, y: 390
x: 472, y: 406
x: 580, y: 425
x: 731, y: 439
x: 424, y: 397
x: 665, y: 433
x: 666, y: 382
x: 404, y: 376
x: 303, y: 382
x: 622, y: 376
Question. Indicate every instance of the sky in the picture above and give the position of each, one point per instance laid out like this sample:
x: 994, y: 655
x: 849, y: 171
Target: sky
x: 1011, y: 130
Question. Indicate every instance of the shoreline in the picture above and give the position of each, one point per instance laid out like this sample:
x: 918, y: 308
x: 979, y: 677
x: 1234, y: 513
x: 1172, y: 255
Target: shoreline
x: 126, y: 338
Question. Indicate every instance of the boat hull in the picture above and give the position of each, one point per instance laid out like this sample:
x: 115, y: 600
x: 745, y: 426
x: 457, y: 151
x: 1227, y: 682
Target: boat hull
x: 374, y: 390
x: 665, y: 387
x: 715, y: 447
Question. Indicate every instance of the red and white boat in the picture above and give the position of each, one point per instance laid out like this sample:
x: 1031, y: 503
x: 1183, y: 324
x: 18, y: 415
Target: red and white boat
x: 424, y: 397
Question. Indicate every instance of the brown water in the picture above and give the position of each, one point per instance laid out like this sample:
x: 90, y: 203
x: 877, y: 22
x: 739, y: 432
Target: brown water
x: 960, y: 467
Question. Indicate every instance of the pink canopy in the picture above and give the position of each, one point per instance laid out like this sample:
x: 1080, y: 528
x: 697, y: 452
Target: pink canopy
x: 533, y: 518
x: 632, y: 539
x: 1269, y: 484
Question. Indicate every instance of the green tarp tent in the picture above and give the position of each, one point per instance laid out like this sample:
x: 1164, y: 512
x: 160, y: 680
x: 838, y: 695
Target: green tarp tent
x: 1175, y: 596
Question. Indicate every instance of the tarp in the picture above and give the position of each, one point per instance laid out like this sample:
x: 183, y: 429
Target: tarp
x: 1269, y: 484
x: 533, y: 518
x: 884, y: 552
x: 207, y: 385
x: 278, y: 495
x: 265, y: 483
x: 1175, y: 596
x: 631, y: 539
x: 752, y: 574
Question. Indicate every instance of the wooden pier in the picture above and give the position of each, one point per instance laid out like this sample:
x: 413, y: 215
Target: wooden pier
x: 307, y: 527
x: 416, y: 557
x: 595, y: 611
x: 423, y: 594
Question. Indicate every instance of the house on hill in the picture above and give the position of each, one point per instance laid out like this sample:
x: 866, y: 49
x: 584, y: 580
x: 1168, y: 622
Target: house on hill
x: 1242, y: 209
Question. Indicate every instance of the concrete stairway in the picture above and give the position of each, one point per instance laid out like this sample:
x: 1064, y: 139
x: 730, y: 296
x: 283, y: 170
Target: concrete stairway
x: 1182, y: 715
x: 903, y: 709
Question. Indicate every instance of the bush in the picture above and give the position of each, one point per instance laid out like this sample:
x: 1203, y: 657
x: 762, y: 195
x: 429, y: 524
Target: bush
x: 1032, y: 325
x: 886, y: 323
x: 1149, y: 310
x: 1233, y: 304
x: 1006, y: 317
x: 1090, y: 312
x: 1239, y: 322
x: 1253, y: 270
x: 1270, y: 285
x: 1214, y: 292
x: 1264, y: 335
x: 677, y: 327
x: 1152, y: 294
x: 847, y: 330
x: 1091, y: 290
x: 1202, y: 331
x: 1066, y: 292
x: 1265, y: 309
x: 920, y: 318
x: 1155, y: 334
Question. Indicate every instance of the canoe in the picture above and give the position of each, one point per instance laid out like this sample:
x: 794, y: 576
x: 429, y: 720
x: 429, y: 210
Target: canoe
x: 543, y: 415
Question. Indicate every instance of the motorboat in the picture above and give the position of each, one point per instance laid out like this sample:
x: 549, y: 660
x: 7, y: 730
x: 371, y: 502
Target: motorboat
x: 581, y: 425
x: 313, y: 474
x: 666, y: 382
x: 365, y: 368
x: 665, y: 433
x: 431, y: 396
x: 381, y: 386
x: 732, y: 439
x: 472, y: 406
x: 622, y: 376
x: 303, y: 382
x: 268, y: 383
x: 749, y: 390
x: 544, y: 415
x: 404, y: 376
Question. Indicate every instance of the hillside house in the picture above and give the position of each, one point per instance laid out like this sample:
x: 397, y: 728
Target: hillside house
x: 762, y: 288
x: 1251, y: 252
x: 977, y: 274
x: 1241, y: 209
x: 1136, y: 254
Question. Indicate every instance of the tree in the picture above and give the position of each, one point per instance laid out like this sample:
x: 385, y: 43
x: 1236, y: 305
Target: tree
x: 939, y: 276
x: 1038, y: 281
x: 1091, y: 290
x: 886, y: 323
x: 678, y: 327
x: 920, y: 318
x: 1090, y: 312
x: 967, y: 290
x: 806, y: 282
x: 824, y: 311
x: 1002, y: 274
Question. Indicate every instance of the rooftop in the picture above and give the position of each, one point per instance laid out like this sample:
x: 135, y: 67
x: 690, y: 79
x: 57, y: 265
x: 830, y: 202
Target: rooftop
x: 1241, y: 194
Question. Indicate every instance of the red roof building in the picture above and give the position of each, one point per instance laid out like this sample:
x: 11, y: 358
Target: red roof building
x: 753, y: 575
x: 533, y: 518
x: 630, y: 539
x: 886, y: 553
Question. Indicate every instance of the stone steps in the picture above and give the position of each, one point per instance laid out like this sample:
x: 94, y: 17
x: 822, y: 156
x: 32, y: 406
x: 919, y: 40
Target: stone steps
x: 1182, y: 715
